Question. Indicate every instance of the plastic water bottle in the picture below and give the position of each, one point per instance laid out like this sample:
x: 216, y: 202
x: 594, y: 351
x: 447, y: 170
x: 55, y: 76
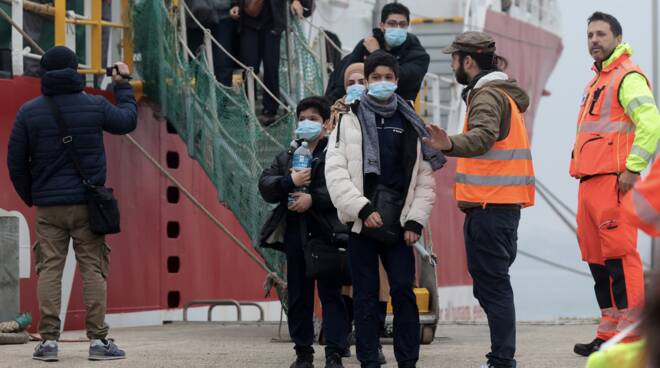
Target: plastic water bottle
x: 302, y: 159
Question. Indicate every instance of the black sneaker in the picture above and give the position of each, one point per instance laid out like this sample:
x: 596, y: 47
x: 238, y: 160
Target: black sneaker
x: 333, y: 361
x: 381, y: 356
x: 303, y: 362
x: 107, y: 351
x: 588, y: 349
x: 46, y: 351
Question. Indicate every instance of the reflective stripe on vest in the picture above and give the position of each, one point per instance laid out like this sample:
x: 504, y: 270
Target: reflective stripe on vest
x: 511, y: 154
x: 498, y: 181
x: 605, y: 133
x: 607, y: 127
x: 505, y: 173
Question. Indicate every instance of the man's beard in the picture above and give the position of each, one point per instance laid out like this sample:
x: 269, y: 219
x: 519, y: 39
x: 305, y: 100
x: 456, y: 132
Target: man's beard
x: 461, y: 76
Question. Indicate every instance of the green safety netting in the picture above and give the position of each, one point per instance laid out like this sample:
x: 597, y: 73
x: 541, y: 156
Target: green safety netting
x: 217, y: 123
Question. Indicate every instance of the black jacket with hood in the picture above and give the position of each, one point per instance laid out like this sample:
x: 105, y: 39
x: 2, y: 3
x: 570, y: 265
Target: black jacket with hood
x: 275, y: 184
x: 413, y: 65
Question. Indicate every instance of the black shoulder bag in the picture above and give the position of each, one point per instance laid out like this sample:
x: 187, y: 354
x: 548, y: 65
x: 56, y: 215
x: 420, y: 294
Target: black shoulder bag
x: 389, y: 203
x: 102, y: 207
x: 326, y: 258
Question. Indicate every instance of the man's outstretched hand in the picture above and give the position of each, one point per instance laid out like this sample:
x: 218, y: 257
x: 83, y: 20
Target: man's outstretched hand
x: 439, y: 138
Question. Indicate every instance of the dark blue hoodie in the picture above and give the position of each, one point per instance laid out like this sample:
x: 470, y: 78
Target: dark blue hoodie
x: 39, y: 168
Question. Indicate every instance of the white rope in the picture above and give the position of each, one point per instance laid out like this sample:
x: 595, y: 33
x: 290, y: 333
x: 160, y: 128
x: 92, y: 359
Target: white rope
x: 243, y: 66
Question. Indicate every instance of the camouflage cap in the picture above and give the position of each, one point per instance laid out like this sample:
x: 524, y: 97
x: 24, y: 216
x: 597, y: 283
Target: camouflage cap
x: 473, y: 42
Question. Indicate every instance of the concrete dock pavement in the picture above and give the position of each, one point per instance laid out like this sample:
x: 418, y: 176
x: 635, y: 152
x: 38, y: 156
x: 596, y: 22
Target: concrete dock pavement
x: 190, y: 345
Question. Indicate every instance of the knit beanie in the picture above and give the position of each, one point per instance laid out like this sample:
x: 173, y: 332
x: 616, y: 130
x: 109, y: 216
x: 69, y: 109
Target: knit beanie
x: 59, y: 57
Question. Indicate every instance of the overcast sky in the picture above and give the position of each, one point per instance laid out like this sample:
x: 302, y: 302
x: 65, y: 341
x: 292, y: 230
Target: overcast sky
x: 542, y: 232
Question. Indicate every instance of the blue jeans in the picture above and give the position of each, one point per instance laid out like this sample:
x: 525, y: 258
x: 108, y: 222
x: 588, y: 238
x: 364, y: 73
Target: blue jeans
x: 399, y: 263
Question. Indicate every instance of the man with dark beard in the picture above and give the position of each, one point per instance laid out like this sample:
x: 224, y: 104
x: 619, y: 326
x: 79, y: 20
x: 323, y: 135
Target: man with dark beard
x: 494, y: 180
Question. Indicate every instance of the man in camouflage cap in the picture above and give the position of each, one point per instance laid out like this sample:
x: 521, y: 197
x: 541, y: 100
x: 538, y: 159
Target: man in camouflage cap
x: 494, y: 180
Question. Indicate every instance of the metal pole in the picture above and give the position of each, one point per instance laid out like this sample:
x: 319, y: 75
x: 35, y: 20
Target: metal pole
x: 250, y: 88
x: 208, y: 46
x: 127, y: 34
x: 435, y: 88
x: 289, y: 54
x: 655, y: 242
x: 17, y: 37
x: 324, y: 59
x: 60, y: 24
x: 184, y: 31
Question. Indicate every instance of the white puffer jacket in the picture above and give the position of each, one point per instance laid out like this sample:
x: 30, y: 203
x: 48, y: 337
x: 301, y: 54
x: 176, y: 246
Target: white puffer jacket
x: 345, y: 178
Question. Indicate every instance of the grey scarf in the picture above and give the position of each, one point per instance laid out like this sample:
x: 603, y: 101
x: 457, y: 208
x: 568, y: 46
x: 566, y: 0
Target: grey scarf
x: 367, y: 116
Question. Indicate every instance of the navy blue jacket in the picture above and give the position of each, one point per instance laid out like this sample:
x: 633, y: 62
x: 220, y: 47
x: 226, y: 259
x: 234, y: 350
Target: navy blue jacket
x: 39, y: 168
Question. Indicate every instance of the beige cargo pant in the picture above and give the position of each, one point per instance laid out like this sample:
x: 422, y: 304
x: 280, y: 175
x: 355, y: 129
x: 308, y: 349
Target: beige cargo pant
x: 55, y: 226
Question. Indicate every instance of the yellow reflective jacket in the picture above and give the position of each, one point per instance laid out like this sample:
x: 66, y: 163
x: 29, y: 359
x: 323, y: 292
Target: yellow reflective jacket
x: 637, y: 99
x: 630, y: 355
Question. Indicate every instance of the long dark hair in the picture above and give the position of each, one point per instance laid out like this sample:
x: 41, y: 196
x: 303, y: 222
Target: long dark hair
x: 486, y: 61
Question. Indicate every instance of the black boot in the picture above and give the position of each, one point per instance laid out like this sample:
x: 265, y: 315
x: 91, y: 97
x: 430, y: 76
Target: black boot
x: 333, y: 361
x: 588, y: 349
x: 303, y: 361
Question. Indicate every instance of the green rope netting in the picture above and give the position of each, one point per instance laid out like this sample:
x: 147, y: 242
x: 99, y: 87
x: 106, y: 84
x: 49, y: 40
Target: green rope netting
x: 216, y: 122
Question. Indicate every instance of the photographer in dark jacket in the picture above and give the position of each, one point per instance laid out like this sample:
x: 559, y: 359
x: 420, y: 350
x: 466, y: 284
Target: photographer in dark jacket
x: 291, y: 226
x: 44, y: 176
x: 392, y: 36
x: 260, y: 42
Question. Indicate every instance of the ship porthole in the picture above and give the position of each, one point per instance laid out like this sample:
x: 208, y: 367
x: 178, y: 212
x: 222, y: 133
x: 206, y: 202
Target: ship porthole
x: 172, y: 194
x: 173, y: 264
x: 173, y: 299
x: 173, y: 229
x: 172, y: 159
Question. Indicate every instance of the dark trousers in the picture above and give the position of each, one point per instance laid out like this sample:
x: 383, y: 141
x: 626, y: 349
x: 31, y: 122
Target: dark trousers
x: 259, y: 46
x: 490, y: 242
x: 225, y: 33
x: 399, y: 263
x: 301, y: 303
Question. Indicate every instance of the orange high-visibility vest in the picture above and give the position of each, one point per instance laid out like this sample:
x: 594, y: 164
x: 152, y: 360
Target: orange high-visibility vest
x: 605, y: 134
x: 644, y: 209
x: 504, y: 174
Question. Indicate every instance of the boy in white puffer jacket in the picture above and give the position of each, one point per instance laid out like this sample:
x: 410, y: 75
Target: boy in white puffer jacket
x: 377, y: 147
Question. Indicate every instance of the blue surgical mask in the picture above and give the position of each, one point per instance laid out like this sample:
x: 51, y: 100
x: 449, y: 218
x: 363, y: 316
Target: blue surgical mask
x: 395, y: 36
x: 382, y: 90
x: 308, y: 129
x: 354, y: 92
